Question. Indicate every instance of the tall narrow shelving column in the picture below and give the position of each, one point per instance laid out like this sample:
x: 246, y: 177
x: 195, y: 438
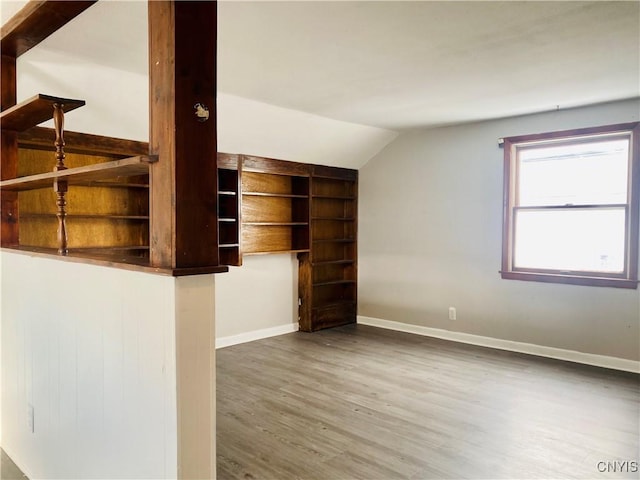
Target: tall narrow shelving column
x: 328, y: 274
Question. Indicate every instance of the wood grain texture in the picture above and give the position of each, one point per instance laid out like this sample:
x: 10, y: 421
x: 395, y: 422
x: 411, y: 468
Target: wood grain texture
x: 183, y: 185
x: 84, y: 143
x: 36, y: 21
x: 35, y: 110
x: 358, y: 402
x: 95, y: 216
x: 102, y: 171
x: 8, y: 83
x: 270, y: 165
x: 9, y: 206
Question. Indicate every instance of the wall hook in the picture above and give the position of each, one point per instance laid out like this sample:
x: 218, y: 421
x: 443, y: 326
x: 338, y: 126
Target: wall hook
x: 202, y: 112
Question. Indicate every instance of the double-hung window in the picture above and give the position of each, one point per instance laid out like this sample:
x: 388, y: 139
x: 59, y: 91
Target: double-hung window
x: 571, y: 206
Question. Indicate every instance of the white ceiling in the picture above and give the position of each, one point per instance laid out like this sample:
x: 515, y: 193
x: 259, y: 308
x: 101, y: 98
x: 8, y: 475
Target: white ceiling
x: 398, y: 65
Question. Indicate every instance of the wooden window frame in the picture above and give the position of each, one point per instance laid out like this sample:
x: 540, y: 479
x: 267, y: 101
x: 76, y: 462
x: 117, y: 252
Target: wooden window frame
x: 629, y: 277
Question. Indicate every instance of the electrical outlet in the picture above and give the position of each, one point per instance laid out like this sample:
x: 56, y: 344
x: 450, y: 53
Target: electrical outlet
x: 30, y: 418
x: 452, y: 313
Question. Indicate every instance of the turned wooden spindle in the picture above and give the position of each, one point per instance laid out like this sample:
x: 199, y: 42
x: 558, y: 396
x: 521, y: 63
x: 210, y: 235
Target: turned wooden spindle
x: 60, y: 187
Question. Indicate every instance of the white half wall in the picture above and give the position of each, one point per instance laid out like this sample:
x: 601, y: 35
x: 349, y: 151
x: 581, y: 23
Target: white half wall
x: 261, y: 295
x: 430, y: 238
x: 92, y: 351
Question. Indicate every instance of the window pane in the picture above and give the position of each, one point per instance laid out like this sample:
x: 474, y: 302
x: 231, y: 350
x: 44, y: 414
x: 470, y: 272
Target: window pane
x: 588, y: 173
x: 589, y: 240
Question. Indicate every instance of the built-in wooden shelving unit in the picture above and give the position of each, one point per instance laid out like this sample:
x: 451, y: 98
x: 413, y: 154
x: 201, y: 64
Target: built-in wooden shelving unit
x: 45, y: 221
x: 328, y: 275
x: 89, y: 196
x: 269, y: 206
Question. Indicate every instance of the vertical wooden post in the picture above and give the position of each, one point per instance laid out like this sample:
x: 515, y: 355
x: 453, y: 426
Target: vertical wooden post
x: 60, y: 187
x: 9, y: 157
x: 183, y: 183
x: 305, y: 281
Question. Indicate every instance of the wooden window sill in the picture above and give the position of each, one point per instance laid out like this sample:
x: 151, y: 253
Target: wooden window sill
x: 571, y: 279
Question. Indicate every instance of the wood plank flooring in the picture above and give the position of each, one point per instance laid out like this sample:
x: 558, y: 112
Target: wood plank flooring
x: 358, y: 402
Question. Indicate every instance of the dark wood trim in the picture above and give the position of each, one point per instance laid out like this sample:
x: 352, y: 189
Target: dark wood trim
x: 183, y: 184
x: 570, y: 279
x: 507, y: 247
x: 9, y: 208
x: 124, y: 262
x: 337, y: 173
x: 9, y: 86
x: 36, y: 21
x: 305, y: 287
x: 271, y: 165
x: 619, y: 127
x: 634, y: 206
x: 228, y: 161
x: 41, y: 138
x: 630, y: 277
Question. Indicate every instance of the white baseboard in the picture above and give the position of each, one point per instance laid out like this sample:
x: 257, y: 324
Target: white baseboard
x: 520, y: 347
x: 222, y: 342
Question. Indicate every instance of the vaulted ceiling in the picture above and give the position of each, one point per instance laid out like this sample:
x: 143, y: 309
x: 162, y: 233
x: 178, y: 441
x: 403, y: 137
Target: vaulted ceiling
x: 397, y: 65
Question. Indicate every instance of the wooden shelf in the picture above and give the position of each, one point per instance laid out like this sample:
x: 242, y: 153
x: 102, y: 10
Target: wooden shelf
x: 112, y: 185
x: 88, y: 216
x: 109, y: 249
x: 34, y: 111
x: 334, y: 240
x: 230, y: 220
x: 126, y: 167
x: 333, y: 304
x: 229, y: 245
x: 334, y: 219
x: 333, y: 282
x: 41, y: 138
x: 303, y: 250
x: 276, y: 224
x: 333, y: 197
x: 276, y: 195
x: 225, y: 192
x: 35, y: 22
x: 332, y: 262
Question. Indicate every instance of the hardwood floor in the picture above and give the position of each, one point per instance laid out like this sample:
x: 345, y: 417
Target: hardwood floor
x: 359, y: 402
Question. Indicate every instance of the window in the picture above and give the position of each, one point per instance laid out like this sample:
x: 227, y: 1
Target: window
x: 571, y: 206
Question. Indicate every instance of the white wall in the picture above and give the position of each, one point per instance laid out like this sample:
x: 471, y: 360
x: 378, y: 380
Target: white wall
x: 430, y: 226
x: 92, y: 349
